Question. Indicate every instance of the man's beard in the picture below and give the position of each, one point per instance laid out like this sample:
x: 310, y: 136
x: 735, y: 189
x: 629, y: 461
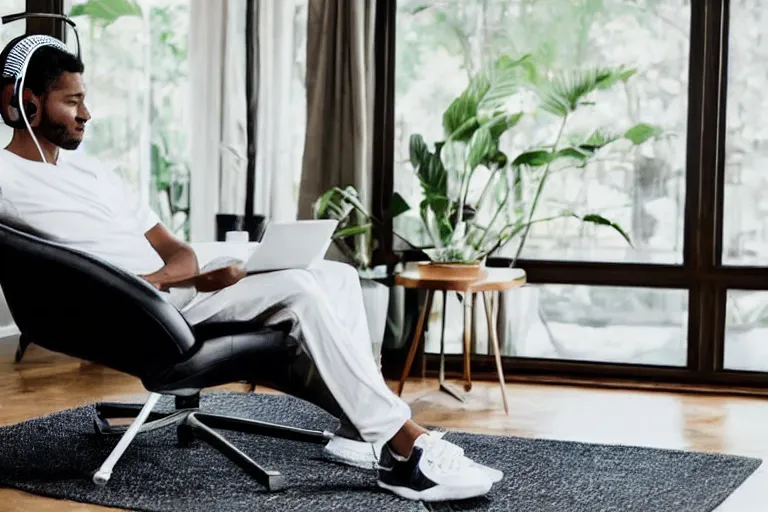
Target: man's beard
x: 57, y: 133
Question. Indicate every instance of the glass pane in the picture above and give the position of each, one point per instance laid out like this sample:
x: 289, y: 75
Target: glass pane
x: 440, y: 44
x: 8, y: 32
x: 745, y: 224
x: 136, y: 73
x: 746, y: 329
x: 584, y: 323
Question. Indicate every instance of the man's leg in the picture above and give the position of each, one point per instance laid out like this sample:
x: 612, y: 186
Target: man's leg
x: 345, y: 364
x: 340, y: 283
x: 415, y: 464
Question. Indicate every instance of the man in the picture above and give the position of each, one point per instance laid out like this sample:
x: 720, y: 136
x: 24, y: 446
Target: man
x: 85, y: 205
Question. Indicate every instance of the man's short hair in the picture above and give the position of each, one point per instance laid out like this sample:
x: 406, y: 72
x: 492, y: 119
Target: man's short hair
x: 46, y: 66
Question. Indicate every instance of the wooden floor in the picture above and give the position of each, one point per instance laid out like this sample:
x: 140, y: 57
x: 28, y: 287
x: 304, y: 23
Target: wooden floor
x: 45, y: 382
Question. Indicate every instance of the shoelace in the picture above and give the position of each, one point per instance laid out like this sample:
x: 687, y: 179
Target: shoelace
x: 444, y: 455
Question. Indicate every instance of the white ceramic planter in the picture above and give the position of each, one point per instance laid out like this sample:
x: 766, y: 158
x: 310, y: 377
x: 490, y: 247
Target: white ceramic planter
x: 376, y: 302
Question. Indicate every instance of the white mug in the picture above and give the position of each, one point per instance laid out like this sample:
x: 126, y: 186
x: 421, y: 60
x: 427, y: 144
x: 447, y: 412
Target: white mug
x: 236, y: 237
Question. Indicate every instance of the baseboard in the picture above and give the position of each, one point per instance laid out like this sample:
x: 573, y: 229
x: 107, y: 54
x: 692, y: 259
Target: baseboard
x: 8, y: 330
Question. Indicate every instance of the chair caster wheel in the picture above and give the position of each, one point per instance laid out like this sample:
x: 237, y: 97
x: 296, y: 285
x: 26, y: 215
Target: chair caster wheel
x: 101, y: 478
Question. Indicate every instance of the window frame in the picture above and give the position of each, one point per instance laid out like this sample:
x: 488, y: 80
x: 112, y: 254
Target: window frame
x: 42, y: 26
x: 702, y: 272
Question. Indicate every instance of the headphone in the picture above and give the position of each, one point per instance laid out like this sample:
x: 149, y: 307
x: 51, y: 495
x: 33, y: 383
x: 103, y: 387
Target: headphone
x: 15, y: 58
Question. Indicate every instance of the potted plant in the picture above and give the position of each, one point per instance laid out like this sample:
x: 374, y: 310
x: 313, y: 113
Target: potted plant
x: 465, y: 231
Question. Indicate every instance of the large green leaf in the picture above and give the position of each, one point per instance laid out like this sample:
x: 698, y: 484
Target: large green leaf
x: 503, y: 81
x: 483, y: 98
x: 398, y: 206
x: 479, y: 146
x: 352, y: 231
x: 160, y: 167
x: 418, y: 151
x: 106, y: 11
x: 459, y: 112
x: 502, y: 122
x: 602, y: 221
x: 599, y: 138
x: 323, y: 203
x: 495, y: 158
x: 564, y: 93
x: 534, y: 158
x: 581, y: 153
x: 640, y: 133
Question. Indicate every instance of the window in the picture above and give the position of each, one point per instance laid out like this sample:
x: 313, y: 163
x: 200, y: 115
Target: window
x: 440, y: 44
x: 746, y: 328
x: 581, y: 323
x: 745, y: 212
x: 136, y: 74
x: 745, y: 223
x: 8, y: 32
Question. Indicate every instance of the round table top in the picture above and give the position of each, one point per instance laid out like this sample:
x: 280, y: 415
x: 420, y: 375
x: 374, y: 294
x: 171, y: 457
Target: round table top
x: 496, y: 279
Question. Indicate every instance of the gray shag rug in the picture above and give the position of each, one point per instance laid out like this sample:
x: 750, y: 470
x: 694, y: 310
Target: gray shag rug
x: 56, y: 455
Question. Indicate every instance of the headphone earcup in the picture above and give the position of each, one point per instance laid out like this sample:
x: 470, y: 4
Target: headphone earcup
x: 30, y: 109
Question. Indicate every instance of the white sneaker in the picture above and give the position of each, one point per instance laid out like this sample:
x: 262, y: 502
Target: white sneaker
x: 494, y: 474
x: 360, y: 454
x: 435, y: 471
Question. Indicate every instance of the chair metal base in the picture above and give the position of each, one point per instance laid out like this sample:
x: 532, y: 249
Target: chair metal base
x: 191, y: 425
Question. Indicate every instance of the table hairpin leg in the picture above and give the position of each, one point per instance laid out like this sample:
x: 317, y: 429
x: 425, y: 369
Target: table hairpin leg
x: 467, y: 340
x: 415, y: 341
x: 493, y: 339
x: 443, y: 386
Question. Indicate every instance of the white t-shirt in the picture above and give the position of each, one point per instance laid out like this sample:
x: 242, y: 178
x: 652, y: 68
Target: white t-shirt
x: 84, y: 204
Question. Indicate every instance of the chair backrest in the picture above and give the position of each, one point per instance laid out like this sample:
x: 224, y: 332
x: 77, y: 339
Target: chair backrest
x: 77, y: 304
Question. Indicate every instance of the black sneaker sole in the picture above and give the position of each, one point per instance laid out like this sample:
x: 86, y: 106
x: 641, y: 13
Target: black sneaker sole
x: 438, y: 492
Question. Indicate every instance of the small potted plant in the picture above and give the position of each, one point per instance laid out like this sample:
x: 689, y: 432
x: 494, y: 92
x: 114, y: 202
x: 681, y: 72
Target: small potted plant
x: 465, y: 232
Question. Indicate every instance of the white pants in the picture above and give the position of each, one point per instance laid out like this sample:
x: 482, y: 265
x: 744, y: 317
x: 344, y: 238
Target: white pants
x: 325, y: 307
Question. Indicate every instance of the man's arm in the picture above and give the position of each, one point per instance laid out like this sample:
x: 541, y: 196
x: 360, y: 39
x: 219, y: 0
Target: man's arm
x: 180, y: 261
x: 181, y: 267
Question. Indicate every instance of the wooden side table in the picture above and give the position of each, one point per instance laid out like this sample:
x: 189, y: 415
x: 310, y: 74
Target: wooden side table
x: 497, y: 279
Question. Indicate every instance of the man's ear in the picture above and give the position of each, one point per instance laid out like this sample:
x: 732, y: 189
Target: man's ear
x: 31, y: 105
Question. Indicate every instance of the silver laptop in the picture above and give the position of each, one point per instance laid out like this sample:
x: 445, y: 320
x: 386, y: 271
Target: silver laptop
x: 287, y: 245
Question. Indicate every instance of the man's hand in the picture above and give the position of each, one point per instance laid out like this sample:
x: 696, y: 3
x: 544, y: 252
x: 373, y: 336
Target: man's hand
x: 208, y: 282
x: 155, y: 280
x: 220, y: 278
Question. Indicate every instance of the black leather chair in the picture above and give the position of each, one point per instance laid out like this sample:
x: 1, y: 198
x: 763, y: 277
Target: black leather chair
x: 73, y: 303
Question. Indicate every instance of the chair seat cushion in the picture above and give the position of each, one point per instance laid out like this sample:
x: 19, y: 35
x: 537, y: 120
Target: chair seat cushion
x: 228, y: 352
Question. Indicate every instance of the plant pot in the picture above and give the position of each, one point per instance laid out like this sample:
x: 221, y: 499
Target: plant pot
x: 437, y: 271
x: 255, y: 226
x: 376, y: 303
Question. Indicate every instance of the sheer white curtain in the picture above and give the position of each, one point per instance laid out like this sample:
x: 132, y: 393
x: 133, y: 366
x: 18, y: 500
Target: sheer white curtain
x: 281, y: 116
x: 219, y: 110
x: 218, y: 113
